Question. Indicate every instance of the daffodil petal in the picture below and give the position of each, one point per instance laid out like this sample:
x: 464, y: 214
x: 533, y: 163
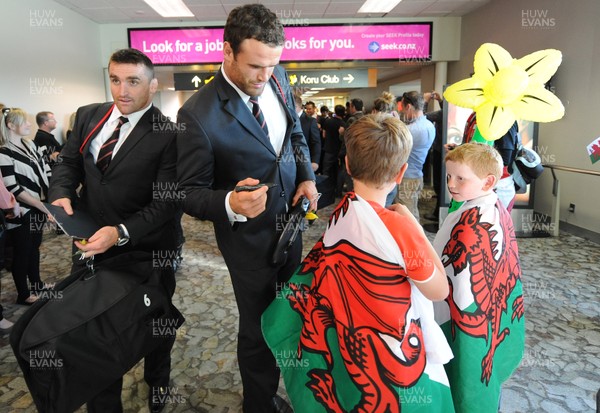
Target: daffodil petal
x: 540, y: 65
x: 538, y: 105
x: 490, y: 58
x: 468, y: 93
x: 494, y: 121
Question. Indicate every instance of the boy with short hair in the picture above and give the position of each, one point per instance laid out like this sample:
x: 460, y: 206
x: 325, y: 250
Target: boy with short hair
x: 358, y: 301
x: 483, y: 315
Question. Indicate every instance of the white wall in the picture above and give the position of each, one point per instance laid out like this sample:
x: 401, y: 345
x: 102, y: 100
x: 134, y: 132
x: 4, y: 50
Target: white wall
x: 571, y: 27
x: 50, y: 59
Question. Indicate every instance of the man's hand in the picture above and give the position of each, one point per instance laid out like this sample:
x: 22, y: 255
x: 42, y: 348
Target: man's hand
x: 64, y: 203
x: 315, y: 166
x: 309, y: 190
x: 249, y: 203
x: 100, y: 242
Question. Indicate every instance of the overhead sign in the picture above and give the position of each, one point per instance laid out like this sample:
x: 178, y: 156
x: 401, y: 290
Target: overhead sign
x: 191, y: 81
x: 194, y: 45
x: 330, y: 78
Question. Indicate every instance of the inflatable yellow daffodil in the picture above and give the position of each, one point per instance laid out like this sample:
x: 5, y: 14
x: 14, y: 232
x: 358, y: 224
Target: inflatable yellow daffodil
x: 504, y: 89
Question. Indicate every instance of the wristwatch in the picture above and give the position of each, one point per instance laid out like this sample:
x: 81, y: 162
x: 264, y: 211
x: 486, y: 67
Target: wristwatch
x: 123, y: 236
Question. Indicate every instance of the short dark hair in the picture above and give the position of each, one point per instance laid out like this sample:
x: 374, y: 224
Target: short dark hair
x: 415, y: 99
x: 357, y: 103
x: 42, y: 117
x: 253, y: 21
x: 134, y: 57
x: 310, y: 102
x: 339, y: 110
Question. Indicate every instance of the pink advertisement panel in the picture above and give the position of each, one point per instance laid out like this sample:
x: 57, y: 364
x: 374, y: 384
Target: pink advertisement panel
x: 303, y: 43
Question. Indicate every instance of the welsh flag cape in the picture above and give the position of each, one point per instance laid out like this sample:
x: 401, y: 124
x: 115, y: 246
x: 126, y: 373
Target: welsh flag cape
x: 483, y: 316
x: 345, y: 336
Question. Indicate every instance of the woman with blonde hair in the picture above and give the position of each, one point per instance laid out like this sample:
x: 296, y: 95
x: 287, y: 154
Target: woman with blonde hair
x: 386, y: 103
x: 26, y: 174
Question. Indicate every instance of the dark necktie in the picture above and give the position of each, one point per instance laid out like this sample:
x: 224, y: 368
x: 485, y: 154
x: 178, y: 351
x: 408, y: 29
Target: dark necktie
x: 106, y: 150
x: 260, y: 118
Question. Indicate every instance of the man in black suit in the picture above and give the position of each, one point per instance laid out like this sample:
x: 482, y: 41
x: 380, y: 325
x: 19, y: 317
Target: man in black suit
x: 125, y: 195
x: 310, y: 128
x: 224, y: 145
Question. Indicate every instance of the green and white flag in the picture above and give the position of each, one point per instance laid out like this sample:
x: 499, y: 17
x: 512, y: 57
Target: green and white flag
x: 482, y: 317
x: 350, y: 332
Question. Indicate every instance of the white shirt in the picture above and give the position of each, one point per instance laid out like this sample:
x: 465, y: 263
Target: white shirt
x: 109, y: 127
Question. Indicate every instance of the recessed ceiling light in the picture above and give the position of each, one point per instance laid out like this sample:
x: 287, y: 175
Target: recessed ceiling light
x: 170, y: 8
x: 378, y: 6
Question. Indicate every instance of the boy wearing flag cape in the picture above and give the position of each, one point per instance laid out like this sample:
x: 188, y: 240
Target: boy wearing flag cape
x: 353, y: 329
x: 483, y: 315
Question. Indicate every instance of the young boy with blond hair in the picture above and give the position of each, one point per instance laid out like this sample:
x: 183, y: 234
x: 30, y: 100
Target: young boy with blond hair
x: 483, y: 315
x: 361, y: 298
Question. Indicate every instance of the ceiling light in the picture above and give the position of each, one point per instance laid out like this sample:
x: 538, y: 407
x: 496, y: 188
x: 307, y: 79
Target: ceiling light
x: 170, y: 8
x: 378, y: 6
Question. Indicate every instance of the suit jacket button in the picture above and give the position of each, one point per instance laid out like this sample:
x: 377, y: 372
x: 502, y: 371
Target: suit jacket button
x: 282, y: 194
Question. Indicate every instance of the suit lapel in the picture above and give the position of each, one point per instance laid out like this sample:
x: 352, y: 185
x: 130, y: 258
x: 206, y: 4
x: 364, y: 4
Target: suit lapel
x: 95, y: 125
x: 277, y: 87
x: 237, y: 108
x: 141, y: 129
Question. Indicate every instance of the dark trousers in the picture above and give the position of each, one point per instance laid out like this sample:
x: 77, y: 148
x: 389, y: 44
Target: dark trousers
x: 254, y: 291
x: 157, y: 370
x: 330, y: 168
x: 26, y: 240
x: 436, y: 162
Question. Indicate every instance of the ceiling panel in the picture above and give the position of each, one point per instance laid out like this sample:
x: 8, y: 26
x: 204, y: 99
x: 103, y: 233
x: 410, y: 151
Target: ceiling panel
x: 118, y: 11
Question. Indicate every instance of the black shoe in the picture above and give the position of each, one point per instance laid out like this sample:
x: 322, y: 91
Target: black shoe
x: 157, y: 399
x: 280, y: 405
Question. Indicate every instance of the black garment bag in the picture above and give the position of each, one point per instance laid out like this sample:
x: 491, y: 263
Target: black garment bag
x: 92, y: 328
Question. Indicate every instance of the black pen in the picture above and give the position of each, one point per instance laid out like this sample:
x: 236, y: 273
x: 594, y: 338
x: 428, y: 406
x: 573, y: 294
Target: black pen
x: 249, y: 188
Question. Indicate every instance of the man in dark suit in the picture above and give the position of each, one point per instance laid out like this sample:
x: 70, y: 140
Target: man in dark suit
x: 224, y: 145
x: 310, y: 128
x: 126, y: 196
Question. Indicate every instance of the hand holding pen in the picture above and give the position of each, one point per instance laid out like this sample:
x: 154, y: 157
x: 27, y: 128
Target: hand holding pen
x: 249, y: 198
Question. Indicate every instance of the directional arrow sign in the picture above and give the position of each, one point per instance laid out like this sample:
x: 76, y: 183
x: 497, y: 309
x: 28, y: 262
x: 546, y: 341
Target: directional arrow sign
x: 191, y: 81
x: 330, y: 78
x: 196, y: 80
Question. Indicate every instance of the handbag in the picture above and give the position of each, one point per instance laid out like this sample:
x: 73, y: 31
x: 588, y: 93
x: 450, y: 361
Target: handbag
x: 92, y: 328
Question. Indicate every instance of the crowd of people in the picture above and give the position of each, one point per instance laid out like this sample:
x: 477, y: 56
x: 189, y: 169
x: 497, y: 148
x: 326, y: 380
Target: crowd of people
x: 248, y: 116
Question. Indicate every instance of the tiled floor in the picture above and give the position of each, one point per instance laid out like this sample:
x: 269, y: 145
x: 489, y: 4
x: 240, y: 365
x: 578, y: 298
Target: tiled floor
x: 560, y: 371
